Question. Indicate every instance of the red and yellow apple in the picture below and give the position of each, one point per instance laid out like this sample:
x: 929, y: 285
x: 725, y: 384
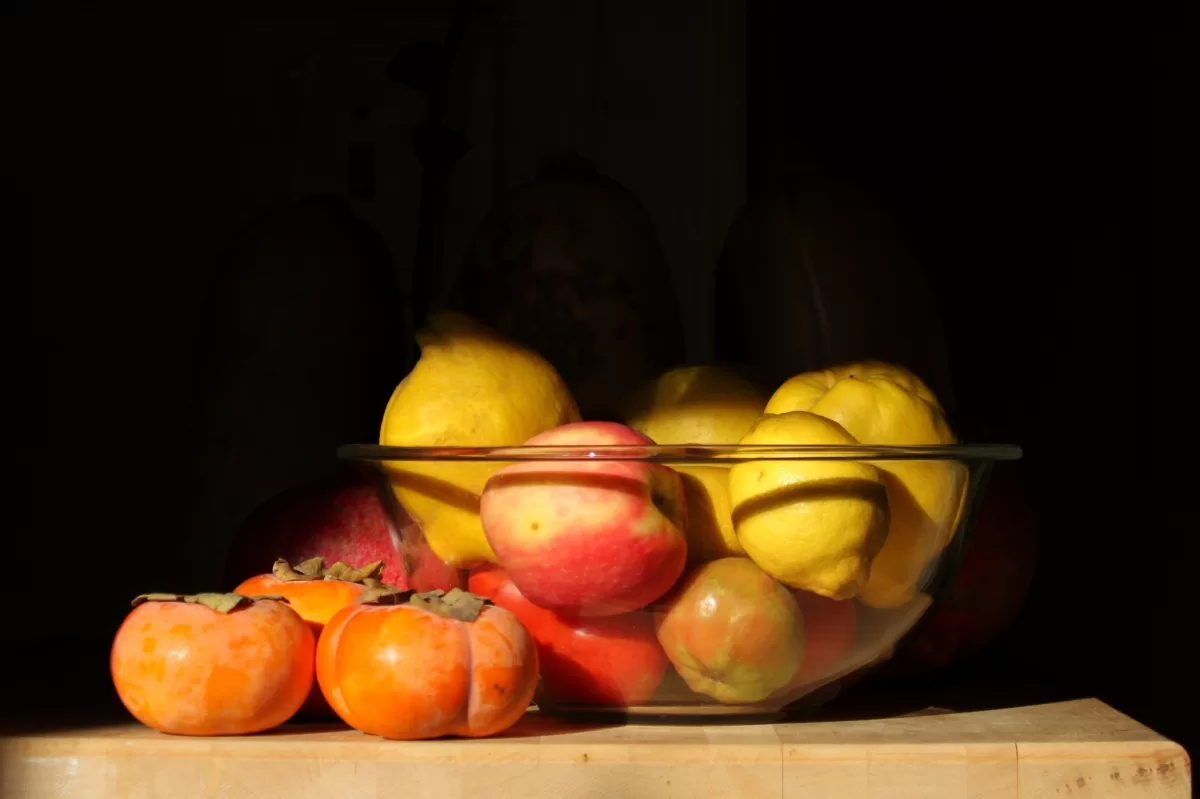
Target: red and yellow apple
x: 732, y: 632
x: 587, y: 537
x: 830, y: 626
x: 607, y: 661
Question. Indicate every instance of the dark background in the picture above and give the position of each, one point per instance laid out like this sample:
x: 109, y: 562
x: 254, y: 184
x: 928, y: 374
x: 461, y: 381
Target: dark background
x: 1015, y: 148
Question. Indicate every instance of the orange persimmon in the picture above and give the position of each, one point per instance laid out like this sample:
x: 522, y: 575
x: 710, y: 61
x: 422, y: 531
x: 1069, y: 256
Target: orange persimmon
x: 316, y: 592
x: 212, y: 664
x: 410, y: 666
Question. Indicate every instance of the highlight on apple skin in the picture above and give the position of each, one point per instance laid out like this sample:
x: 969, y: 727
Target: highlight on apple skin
x: 588, y: 538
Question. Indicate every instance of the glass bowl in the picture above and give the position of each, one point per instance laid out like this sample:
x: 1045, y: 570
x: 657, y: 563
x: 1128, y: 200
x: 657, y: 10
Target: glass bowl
x: 773, y: 630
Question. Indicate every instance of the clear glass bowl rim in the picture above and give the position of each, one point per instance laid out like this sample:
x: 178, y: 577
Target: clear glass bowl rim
x: 684, y: 453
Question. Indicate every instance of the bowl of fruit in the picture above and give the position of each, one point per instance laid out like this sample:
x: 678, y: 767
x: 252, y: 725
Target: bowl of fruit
x: 718, y: 551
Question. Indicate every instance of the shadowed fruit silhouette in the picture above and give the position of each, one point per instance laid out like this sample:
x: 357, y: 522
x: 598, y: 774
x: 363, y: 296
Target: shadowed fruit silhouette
x: 995, y: 576
x: 570, y: 264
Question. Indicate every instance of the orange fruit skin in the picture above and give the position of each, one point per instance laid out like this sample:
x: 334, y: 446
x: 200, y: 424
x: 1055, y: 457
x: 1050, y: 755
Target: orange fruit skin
x: 316, y: 601
x: 405, y: 673
x: 189, y: 670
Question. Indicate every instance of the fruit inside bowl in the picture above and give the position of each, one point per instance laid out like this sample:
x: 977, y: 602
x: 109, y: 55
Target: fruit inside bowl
x: 721, y: 550
x: 591, y: 546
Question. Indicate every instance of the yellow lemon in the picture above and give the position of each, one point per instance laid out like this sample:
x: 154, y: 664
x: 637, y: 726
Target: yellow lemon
x: 811, y: 524
x: 700, y: 405
x: 471, y: 387
x: 883, y: 404
x: 710, y: 534
x: 696, y: 405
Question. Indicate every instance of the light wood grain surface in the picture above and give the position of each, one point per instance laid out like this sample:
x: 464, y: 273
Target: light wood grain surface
x: 1079, y: 749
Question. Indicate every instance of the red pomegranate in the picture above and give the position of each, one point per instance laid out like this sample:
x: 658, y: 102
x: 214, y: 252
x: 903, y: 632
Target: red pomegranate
x: 990, y: 588
x: 345, y: 518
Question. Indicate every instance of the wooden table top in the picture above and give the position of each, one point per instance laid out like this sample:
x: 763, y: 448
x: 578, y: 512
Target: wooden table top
x: 1075, y: 749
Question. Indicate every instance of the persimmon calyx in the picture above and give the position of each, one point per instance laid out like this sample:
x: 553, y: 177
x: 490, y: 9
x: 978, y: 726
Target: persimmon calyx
x: 221, y: 603
x: 340, y: 571
x: 311, y: 569
x: 315, y: 569
x: 385, y: 595
x: 453, y: 604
